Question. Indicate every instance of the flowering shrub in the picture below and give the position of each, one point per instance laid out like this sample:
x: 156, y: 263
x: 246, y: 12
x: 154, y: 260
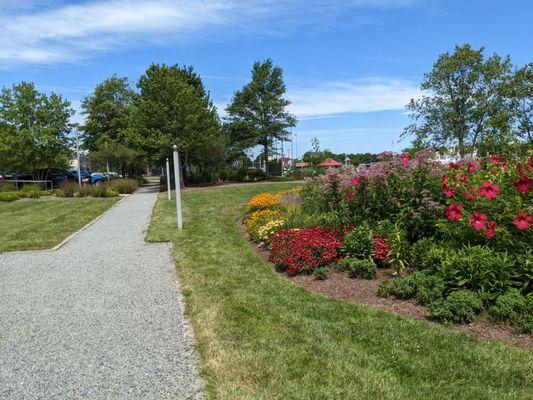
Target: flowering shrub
x: 262, y: 201
x: 301, y: 251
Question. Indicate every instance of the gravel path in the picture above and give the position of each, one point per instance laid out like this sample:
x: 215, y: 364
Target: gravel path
x: 100, y: 318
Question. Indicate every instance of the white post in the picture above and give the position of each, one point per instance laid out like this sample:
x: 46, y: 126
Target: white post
x: 169, y: 195
x: 178, y: 188
x: 78, y: 158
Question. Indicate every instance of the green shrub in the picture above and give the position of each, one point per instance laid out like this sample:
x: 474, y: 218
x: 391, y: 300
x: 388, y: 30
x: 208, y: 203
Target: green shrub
x: 402, y: 288
x: 9, y: 196
x: 30, y: 191
x: 512, y: 307
x: 424, y: 287
x: 99, y: 190
x: 384, y: 289
x: 460, y: 307
x: 111, y: 192
x: 124, y: 186
x: 478, y: 268
x: 359, y: 242
x: 321, y: 273
x: 364, y: 269
x: 7, y: 186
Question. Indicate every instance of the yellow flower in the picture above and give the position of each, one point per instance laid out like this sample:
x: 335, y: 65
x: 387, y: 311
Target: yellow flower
x: 262, y: 201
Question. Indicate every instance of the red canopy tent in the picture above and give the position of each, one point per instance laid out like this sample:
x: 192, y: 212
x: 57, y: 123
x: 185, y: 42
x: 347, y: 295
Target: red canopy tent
x: 330, y: 163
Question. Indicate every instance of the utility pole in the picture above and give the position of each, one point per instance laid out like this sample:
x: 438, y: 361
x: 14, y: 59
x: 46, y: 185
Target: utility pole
x: 177, y: 182
x: 169, y: 195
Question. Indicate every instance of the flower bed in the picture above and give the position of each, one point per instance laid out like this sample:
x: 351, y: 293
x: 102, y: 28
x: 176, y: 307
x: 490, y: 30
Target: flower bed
x: 467, y: 227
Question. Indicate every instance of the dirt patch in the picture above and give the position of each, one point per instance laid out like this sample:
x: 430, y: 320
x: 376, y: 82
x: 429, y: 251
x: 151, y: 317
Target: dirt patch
x: 339, y: 286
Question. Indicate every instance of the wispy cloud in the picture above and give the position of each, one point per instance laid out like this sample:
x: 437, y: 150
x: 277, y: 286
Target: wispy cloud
x: 50, y: 31
x: 377, y: 94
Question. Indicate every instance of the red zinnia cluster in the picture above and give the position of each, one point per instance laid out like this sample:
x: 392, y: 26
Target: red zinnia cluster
x: 304, y: 250
x: 381, y: 249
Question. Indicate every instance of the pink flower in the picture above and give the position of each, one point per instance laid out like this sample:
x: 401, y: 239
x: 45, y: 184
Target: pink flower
x: 494, y: 159
x: 478, y: 221
x: 473, y: 194
x: 491, y: 230
x: 405, y: 158
x: 444, y: 182
x: 523, y: 221
x: 449, y: 192
x: 453, y: 212
x: 355, y: 181
x: 489, y: 190
x: 453, y: 165
x: 349, y: 196
x: 471, y: 167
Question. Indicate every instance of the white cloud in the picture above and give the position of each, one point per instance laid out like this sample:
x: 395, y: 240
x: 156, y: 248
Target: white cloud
x: 49, y: 32
x: 359, y: 97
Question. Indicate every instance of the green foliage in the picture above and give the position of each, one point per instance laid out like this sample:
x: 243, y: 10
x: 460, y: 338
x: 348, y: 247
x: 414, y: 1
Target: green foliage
x: 359, y: 242
x: 34, y: 130
x: 124, y: 186
x: 68, y: 189
x: 513, y: 307
x: 460, y: 307
x: 30, y: 191
x: 384, y: 289
x: 364, y: 269
x: 9, y: 196
x: 463, y: 101
x: 257, y: 114
x: 111, y: 192
x: 321, y: 273
x: 424, y: 287
x: 7, y: 186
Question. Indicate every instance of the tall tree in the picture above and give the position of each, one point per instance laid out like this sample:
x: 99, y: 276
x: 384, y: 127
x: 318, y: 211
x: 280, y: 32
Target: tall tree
x: 108, y: 131
x: 258, y: 112
x: 519, y: 91
x: 462, y: 103
x: 173, y: 107
x: 34, y: 130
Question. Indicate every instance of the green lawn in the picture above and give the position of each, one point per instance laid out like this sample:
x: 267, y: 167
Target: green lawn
x: 38, y: 224
x: 261, y: 336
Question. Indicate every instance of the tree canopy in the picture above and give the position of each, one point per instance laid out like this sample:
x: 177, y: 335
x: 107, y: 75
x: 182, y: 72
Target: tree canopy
x: 34, y: 129
x: 471, y: 102
x: 257, y: 114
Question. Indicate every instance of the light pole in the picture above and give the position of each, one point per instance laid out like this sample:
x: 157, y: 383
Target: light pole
x: 177, y: 182
x: 169, y: 195
x: 107, y: 160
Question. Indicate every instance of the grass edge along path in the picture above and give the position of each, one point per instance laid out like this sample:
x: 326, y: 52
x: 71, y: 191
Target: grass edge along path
x: 42, y: 224
x: 261, y: 336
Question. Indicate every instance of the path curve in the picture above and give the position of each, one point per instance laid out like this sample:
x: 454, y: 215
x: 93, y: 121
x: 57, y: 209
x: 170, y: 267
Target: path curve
x: 100, y: 318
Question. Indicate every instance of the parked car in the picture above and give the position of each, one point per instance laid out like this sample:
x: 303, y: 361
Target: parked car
x: 2, y: 176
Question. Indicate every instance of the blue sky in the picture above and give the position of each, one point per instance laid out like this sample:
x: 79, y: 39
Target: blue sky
x: 350, y: 66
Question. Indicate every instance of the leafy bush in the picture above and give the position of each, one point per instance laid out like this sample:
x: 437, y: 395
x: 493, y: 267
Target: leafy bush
x: 384, y: 289
x: 424, y: 287
x: 301, y: 251
x: 9, y: 196
x: 321, y: 273
x: 124, y: 186
x: 30, y: 191
x: 364, y: 269
x: 460, y: 307
x: 513, y: 307
x: 111, y: 193
x: 359, y: 242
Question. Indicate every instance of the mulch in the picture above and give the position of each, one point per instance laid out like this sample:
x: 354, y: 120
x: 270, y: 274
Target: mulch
x: 339, y: 286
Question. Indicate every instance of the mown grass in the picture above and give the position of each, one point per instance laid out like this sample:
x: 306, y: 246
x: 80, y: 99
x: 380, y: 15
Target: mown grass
x: 261, y: 336
x: 37, y: 224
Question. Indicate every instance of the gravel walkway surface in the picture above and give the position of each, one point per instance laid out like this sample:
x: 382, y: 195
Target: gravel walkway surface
x: 100, y: 318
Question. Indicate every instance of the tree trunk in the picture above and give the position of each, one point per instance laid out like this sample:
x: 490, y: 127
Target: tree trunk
x: 267, y: 172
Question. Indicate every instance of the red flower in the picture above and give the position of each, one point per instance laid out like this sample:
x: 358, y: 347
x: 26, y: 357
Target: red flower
x: 523, y: 185
x: 523, y: 221
x: 471, y: 167
x: 405, y: 158
x: 349, y: 196
x: 381, y: 249
x: 453, y: 165
x: 478, y: 221
x: 449, y: 192
x: 489, y: 190
x: 453, y: 212
x: 494, y: 159
x: 491, y: 230
x: 464, y: 177
x: 355, y: 181
x: 504, y: 164
x: 444, y: 182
